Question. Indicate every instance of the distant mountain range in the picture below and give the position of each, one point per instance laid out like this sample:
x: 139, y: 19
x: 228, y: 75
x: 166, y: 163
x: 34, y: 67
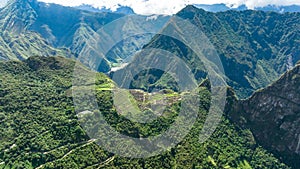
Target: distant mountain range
x: 224, y: 7
x: 122, y: 9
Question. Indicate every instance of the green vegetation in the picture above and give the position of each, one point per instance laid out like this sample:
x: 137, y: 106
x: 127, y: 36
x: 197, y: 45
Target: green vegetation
x: 15, y: 42
x: 29, y: 28
x: 22, y: 46
x: 255, y: 47
x: 39, y: 127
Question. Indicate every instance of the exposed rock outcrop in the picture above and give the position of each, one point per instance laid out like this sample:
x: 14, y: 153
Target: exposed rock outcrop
x: 273, y: 115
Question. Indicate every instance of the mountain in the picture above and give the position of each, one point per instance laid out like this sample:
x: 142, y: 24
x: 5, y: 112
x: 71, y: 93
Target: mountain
x: 273, y: 116
x: 121, y: 9
x: 270, y: 8
x: 125, y: 10
x: 40, y: 128
x: 65, y: 31
x: 218, y: 7
x: 15, y: 43
x: 281, y: 9
x: 55, y: 25
x: 90, y: 8
x: 255, y: 47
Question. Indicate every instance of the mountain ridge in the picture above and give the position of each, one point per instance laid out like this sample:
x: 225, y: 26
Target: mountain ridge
x: 65, y: 29
x: 268, y: 8
x: 255, y: 47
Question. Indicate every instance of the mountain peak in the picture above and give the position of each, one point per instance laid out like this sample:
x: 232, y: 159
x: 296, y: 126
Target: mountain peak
x: 190, y: 8
x: 189, y: 11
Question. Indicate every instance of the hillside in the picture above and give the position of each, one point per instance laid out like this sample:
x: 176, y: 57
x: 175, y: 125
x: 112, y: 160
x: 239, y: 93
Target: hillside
x: 273, y: 116
x: 15, y: 42
x: 39, y: 128
x: 38, y: 28
x: 255, y: 47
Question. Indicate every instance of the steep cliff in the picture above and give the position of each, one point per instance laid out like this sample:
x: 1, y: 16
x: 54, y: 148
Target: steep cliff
x: 273, y: 115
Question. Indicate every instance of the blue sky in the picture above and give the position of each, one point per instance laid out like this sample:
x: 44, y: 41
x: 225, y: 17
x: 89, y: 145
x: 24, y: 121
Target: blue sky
x: 165, y: 6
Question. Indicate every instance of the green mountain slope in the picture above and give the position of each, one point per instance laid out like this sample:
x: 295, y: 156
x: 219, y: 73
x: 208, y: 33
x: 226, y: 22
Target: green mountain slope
x: 255, y: 47
x: 39, y: 128
x: 24, y: 45
x: 273, y: 116
x: 17, y: 43
x: 73, y: 30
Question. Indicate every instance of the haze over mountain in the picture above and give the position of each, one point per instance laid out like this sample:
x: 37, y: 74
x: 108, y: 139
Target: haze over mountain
x: 272, y: 8
x: 122, y: 9
x: 210, y: 8
x: 148, y: 7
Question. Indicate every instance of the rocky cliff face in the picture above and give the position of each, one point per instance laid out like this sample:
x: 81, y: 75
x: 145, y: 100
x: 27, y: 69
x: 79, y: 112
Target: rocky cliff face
x: 273, y: 115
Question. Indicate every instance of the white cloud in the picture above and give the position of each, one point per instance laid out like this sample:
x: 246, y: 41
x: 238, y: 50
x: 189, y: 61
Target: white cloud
x: 2, y: 3
x: 165, y: 6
